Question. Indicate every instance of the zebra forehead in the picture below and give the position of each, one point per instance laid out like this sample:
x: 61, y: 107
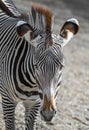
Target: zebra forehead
x: 50, y: 56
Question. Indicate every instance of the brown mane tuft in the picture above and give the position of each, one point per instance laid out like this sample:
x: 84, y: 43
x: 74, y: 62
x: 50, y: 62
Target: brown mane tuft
x: 46, y: 13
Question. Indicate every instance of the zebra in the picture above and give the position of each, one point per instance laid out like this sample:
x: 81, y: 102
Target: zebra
x: 31, y: 61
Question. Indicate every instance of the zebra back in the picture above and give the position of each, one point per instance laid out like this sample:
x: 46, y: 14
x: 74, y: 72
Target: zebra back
x: 9, y: 8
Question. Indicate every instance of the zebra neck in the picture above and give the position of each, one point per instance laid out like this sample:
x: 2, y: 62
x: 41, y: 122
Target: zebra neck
x: 25, y: 69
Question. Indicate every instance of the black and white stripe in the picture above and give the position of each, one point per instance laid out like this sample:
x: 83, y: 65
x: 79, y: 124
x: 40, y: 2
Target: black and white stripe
x: 16, y: 72
x: 28, y: 71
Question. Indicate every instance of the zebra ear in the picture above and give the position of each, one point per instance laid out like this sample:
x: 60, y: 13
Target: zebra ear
x: 71, y: 25
x: 24, y: 30
x: 69, y: 29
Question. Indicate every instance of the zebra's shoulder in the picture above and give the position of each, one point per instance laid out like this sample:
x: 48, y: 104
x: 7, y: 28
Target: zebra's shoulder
x: 9, y: 8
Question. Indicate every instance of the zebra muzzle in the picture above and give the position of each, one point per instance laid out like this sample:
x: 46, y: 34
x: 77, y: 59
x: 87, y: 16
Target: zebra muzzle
x: 48, y: 110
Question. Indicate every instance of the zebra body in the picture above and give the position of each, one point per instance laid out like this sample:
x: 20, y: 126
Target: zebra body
x: 30, y: 73
x: 11, y: 85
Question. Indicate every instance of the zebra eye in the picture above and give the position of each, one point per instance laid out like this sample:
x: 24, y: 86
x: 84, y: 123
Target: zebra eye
x: 36, y: 67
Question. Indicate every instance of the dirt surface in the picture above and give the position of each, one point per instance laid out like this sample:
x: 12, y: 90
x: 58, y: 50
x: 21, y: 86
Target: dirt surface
x: 73, y: 100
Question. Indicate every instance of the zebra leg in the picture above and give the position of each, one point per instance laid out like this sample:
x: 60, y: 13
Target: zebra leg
x: 8, y: 111
x: 31, y: 113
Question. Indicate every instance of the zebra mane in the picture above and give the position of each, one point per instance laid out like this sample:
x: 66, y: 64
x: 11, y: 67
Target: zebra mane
x: 9, y: 8
x: 45, y: 12
x: 40, y: 18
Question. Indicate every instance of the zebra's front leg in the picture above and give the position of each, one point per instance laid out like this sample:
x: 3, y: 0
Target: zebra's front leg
x: 31, y: 112
x: 9, y: 112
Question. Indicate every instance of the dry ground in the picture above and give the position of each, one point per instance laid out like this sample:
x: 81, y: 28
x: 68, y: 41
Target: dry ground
x: 73, y: 101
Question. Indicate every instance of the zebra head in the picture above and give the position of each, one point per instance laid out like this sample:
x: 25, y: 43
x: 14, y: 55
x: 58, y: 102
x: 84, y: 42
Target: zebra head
x: 49, y: 62
x: 48, y: 57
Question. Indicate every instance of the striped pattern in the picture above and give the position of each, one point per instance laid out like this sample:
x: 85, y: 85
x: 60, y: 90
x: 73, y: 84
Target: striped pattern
x: 28, y: 72
x: 10, y: 8
x: 17, y: 81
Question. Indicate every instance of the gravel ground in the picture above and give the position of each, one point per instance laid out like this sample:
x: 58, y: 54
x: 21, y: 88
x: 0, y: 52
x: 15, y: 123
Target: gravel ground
x: 73, y: 100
